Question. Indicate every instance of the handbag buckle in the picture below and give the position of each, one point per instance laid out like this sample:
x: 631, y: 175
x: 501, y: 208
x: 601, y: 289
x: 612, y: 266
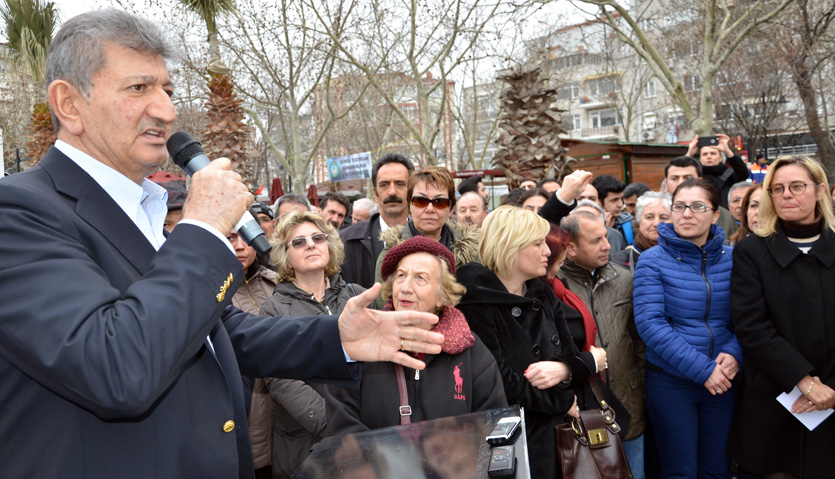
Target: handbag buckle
x: 405, y: 410
x: 598, y: 437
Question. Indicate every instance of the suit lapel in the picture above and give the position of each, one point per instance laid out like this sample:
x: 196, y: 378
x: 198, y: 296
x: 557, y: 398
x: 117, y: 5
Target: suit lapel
x: 98, y: 209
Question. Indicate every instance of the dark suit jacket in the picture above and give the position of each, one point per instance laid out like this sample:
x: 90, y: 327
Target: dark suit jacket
x: 105, y: 366
x: 362, y: 247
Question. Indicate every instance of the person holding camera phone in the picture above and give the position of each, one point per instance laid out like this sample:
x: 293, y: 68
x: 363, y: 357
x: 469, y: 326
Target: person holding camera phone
x: 721, y: 174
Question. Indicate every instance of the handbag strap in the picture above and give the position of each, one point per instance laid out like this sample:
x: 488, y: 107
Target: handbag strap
x: 405, y: 409
x: 607, y: 412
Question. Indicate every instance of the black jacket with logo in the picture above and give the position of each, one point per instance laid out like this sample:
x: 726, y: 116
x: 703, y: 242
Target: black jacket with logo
x: 434, y: 392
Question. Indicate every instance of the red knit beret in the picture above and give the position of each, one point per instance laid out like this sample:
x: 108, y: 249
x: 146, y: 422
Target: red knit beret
x: 415, y: 244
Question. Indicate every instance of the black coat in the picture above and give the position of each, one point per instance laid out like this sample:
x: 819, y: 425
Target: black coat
x: 783, y: 303
x: 521, y: 330
x: 362, y: 247
x: 432, y: 392
x: 724, y: 175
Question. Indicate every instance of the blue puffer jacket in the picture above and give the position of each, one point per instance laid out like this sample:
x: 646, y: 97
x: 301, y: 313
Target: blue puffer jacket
x: 681, y: 297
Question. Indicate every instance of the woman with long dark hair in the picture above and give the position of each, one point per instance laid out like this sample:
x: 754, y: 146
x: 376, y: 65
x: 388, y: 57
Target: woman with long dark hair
x: 683, y: 314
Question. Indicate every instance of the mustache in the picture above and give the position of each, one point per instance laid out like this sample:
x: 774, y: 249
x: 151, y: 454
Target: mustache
x: 392, y: 199
x: 153, y: 123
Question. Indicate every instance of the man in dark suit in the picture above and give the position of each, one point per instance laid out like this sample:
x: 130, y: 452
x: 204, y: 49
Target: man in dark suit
x: 390, y: 177
x: 120, y: 355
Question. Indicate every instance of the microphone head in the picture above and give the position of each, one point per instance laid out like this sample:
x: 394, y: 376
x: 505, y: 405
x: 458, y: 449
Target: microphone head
x: 183, y: 147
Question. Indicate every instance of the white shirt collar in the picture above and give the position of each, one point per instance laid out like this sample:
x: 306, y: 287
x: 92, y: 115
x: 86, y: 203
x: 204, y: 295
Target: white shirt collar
x: 144, y: 204
x: 383, y: 225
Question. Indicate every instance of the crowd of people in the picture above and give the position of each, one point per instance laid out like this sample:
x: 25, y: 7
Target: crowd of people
x: 535, y: 303
x: 121, y: 349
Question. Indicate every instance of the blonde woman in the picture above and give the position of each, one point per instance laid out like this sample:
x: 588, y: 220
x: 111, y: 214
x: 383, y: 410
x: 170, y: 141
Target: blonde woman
x: 522, y: 323
x: 307, y: 253
x: 782, y: 303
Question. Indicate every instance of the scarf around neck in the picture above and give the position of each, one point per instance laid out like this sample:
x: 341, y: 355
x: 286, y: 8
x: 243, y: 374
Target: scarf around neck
x: 571, y: 299
x: 446, y: 237
x: 453, y: 325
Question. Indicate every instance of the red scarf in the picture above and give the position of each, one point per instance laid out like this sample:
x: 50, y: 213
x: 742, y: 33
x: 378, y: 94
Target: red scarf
x: 453, y: 325
x: 568, y: 297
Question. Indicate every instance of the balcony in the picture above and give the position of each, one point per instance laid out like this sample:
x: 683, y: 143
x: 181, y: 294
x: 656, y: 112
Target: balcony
x: 590, y: 102
x: 602, y: 133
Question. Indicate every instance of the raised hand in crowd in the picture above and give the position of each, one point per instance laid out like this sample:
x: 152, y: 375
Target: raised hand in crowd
x: 574, y: 184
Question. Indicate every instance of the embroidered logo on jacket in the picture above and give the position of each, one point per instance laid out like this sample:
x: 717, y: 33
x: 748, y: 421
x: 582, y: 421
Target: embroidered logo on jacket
x: 459, y: 383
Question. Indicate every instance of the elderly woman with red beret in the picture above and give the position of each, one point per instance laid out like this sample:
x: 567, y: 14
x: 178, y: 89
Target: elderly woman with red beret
x: 463, y: 378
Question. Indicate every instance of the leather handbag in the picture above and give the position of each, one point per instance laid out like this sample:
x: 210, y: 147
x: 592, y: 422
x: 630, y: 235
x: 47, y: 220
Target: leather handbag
x: 589, y: 447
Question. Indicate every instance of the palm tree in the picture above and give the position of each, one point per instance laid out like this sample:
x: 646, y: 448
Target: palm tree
x: 529, y: 128
x: 226, y: 134
x: 29, y: 27
x: 209, y: 11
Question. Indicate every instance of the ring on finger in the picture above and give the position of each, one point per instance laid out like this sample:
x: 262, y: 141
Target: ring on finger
x: 401, y: 344
x: 811, y: 403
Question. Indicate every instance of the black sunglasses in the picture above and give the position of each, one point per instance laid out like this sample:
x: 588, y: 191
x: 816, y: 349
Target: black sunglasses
x: 423, y: 202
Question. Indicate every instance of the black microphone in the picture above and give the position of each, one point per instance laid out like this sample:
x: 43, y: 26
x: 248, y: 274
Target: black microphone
x: 188, y: 154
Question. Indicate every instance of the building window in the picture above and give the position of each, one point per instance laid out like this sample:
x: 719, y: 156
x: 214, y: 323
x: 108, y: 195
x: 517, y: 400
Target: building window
x: 601, y: 87
x: 692, y: 82
x: 649, y: 89
x: 722, y: 112
x: 577, y: 59
x: 602, y: 118
x: 576, y: 122
x: 568, y: 92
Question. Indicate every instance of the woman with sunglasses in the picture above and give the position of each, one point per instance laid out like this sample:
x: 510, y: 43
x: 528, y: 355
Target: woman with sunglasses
x: 782, y: 300
x: 431, y: 198
x: 307, y: 253
x: 681, y: 297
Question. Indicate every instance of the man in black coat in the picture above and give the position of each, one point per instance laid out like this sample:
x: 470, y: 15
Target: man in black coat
x: 390, y: 177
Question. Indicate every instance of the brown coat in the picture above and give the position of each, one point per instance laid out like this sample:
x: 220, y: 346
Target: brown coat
x: 249, y: 297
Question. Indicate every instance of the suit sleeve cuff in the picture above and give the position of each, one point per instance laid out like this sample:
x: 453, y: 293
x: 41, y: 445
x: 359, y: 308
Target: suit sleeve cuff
x: 347, y: 358
x: 212, y: 230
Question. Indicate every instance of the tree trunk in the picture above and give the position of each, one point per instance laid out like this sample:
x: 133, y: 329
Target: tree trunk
x: 819, y: 132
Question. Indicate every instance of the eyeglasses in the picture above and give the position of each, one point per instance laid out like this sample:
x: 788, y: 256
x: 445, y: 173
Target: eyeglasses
x: 423, y: 202
x: 797, y: 188
x: 301, y: 241
x: 695, y: 208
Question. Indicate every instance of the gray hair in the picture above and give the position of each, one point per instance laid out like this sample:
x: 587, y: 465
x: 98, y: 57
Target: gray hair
x: 571, y: 223
x: 652, y: 197
x: 292, y: 198
x: 592, y: 204
x: 736, y: 186
x: 77, y: 52
x: 364, y: 204
x: 483, y: 201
